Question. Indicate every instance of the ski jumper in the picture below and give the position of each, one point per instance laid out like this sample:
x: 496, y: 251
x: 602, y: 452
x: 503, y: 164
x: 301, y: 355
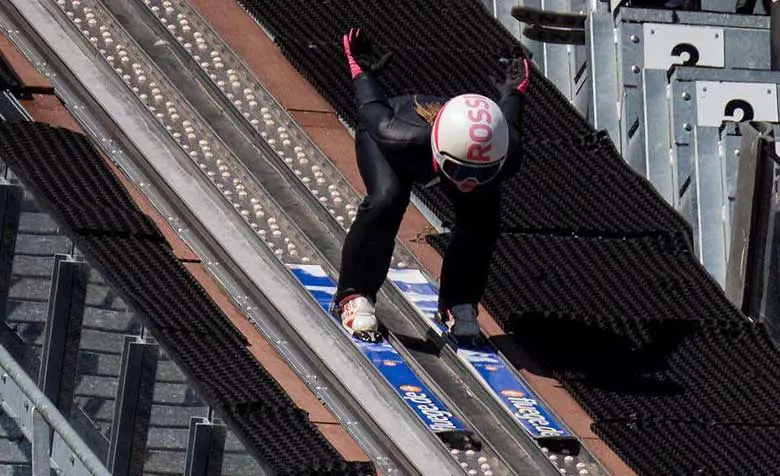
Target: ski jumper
x: 393, y: 147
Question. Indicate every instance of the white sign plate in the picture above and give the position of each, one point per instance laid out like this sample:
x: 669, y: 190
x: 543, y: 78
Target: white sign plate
x: 665, y: 45
x: 717, y: 102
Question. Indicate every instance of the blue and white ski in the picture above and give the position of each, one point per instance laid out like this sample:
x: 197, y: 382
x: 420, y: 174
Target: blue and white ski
x: 489, y: 367
x: 392, y: 367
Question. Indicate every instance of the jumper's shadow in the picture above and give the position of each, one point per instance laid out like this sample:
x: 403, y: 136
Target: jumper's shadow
x: 605, y: 353
x: 416, y: 344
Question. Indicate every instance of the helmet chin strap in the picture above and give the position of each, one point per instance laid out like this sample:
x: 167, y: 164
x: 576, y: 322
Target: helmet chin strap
x: 433, y: 182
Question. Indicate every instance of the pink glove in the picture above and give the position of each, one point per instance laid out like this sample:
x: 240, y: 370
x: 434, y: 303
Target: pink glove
x: 517, y: 75
x: 354, y: 68
x: 523, y: 86
x: 360, y: 53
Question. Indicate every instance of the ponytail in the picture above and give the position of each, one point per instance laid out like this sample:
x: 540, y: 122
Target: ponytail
x: 427, y: 111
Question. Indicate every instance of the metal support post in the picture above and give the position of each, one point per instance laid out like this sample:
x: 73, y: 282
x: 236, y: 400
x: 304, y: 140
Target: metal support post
x: 655, y: 118
x: 739, y: 278
x: 759, y: 230
x: 713, y: 220
x: 126, y: 453
x: 769, y: 307
x: 205, y: 448
x: 41, y: 445
x: 602, y: 61
x: 11, y: 196
x: 559, y: 62
x: 63, y: 331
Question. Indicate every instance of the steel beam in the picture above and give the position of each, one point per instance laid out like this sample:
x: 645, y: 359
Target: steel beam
x: 63, y: 331
x: 206, y: 447
x: 601, y: 59
x: 129, y: 431
x: 11, y: 196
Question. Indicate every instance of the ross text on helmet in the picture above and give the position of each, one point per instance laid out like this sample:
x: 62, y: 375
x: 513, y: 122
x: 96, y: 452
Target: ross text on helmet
x: 479, y: 130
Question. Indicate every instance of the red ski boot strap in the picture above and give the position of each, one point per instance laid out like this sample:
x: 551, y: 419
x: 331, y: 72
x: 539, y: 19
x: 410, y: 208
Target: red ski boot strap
x: 345, y: 300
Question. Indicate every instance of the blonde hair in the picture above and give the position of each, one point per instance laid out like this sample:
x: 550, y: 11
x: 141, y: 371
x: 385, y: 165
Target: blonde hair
x: 427, y: 111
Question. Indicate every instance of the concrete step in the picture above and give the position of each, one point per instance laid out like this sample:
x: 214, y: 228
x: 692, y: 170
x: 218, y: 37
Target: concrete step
x: 161, y: 438
x: 33, y: 266
x: 175, y: 394
x: 161, y: 462
x: 14, y: 448
x: 35, y: 223
x: 103, y: 297
x: 16, y: 469
x: 99, y: 318
x: 102, y: 341
x: 42, y: 245
x: 27, y: 311
x: 29, y: 288
x: 239, y: 464
x: 102, y: 410
x: 108, y: 365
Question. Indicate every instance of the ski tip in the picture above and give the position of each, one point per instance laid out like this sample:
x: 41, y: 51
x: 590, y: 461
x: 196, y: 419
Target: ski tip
x: 462, y: 440
x: 372, y: 337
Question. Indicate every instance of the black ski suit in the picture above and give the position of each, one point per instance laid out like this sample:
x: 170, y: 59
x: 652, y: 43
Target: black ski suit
x: 393, y: 145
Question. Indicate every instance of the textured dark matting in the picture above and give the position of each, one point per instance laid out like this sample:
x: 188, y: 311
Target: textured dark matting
x: 702, y: 371
x: 574, y: 185
x: 644, y: 278
x: 630, y: 322
x: 70, y: 177
x: 78, y: 184
x: 684, y: 448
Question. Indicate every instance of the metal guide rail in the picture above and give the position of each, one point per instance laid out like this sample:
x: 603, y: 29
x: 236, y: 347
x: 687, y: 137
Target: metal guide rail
x: 244, y: 93
x: 263, y: 216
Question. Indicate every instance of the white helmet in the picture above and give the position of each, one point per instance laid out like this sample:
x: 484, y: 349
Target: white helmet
x: 469, y: 140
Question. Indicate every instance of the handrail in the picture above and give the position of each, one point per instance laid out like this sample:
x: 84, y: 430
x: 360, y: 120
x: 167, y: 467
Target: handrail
x: 41, y: 404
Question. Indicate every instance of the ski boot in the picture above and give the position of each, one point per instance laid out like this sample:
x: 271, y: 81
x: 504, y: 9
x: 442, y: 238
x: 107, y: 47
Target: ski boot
x: 358, y: 317
x: 461, y: 321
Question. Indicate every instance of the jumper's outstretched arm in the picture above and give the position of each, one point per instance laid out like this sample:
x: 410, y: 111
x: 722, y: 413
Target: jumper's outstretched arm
x: 514, y: 91
x: 374, y: 112
x: 376, y: 115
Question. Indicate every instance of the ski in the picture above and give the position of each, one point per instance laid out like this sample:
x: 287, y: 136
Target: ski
x: 538, y: 17
x: 391, y: 365
x: 490, y: 368
x: 559, y: 36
